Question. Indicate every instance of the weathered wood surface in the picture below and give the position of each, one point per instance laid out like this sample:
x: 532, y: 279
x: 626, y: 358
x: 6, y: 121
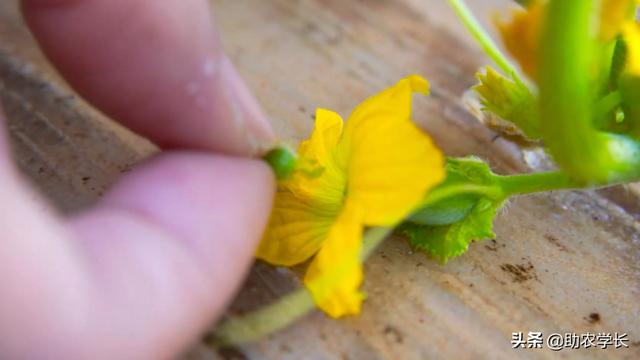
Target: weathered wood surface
x: 558, y: 258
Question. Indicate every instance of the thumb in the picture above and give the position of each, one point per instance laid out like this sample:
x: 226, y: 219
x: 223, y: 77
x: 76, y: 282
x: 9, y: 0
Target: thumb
x: 150, y: 267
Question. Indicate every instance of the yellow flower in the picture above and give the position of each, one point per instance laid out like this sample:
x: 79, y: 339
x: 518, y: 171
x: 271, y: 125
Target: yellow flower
x: 631, y: 33
x: 373, y: 172
x: 614, y: 14
x: 521, y: 36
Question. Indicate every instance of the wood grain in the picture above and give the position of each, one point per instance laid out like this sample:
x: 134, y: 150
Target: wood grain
x: 558, y: 258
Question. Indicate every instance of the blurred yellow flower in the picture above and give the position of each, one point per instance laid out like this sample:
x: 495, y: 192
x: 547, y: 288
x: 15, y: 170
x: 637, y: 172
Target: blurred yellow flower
x: 614, y: 14
x: 373, y: 172
x: 631, y: 33
x: 521, y: 35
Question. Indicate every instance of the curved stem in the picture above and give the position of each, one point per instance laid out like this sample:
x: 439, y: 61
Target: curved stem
x: 373, y: 239
x: 488, y: 45
x: 266, y: 320
x: 507, y: 186
x: 254, y: 325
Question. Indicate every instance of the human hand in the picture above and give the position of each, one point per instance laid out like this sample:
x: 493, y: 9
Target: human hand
x: 147, y: 269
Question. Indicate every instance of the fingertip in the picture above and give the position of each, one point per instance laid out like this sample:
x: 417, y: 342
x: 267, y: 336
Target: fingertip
x: 157, y: 67
x: 246, y: 113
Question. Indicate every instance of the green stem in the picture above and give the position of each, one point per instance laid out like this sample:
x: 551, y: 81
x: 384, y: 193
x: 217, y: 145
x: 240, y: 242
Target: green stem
x: 266, y: 320
x: 536, y: 182
x: 506, y: 186
x: 566, y: 94
x: 566, y: 84
x: 488, y: 45
x: 372, y: 239
x: 254, y: 325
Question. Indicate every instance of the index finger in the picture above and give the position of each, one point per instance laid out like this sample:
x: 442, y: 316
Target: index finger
x: 155, y: 66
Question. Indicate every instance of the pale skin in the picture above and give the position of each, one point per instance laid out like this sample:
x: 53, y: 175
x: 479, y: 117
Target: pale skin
x: 155, y: 262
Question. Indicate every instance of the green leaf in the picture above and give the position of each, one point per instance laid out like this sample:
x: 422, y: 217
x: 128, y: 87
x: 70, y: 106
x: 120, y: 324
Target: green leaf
x: 444, y: 212
x: 445, y: 228
x: 618, y: 61
x: 511, y: 101
x: 447, y: 241
x: 460, y: 173
x: 462, y: 208
x: 468, y: 170
x: 463, y: 186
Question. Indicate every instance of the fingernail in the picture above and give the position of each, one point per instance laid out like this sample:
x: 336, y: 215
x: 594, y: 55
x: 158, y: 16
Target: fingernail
x: 246, y: 114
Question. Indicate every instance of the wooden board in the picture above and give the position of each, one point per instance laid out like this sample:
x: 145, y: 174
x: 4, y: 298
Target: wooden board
x: 559, y: 258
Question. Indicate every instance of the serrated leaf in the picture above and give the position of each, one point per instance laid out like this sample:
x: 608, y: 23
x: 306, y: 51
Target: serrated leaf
x: 460, y: 171
x: 444, y: 242
x: 511, y: 102
x: 468, y: 170
x: 446, y: 228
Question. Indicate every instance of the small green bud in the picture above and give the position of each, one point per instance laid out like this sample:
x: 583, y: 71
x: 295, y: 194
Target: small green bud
x: 282, y: 161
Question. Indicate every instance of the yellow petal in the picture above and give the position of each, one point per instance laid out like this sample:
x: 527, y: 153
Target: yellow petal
x: 320, y: 179
x: 324, y: 138
x: 335, y: 274
x: 395, y: 100
x: 521, y: 36
x: 295, y: 232
x: 613, y: 15
x: 391, y: 162
x: 631, y: 32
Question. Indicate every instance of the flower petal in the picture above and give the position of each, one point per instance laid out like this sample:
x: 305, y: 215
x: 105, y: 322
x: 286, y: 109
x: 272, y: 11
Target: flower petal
x: 324, y: 138
x: 631, y: 32
x: 391, y: 162
x: 613, y: 15
x: 335, y: 274
x: 395, y: 100
x: 319, y: 178
x: 521, y: 36
x: 295, y: 232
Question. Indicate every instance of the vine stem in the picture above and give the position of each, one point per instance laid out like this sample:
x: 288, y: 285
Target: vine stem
x: 246, y: 328
x: 483, y: 38
x: 521, y: 184
x: 507, y: 186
